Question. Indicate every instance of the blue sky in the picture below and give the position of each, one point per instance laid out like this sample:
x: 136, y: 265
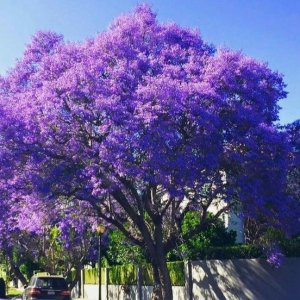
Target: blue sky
x: 268, y: 30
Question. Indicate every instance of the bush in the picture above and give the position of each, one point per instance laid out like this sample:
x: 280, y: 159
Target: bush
x: 28, y: 268
x: 215, y: 235
x: 230, y: 252
x: 122, y: 275
x: 176, y: 270
x: 71, y: 276
x: 147, y: 275
x: 127, y: 274
x: 291, y: 248
x: 91, y: 276
x: 121, y: 251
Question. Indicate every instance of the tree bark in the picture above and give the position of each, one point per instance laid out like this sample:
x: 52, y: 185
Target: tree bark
x: 157, y: 292
x: 165, y: 280
x: 16, y: 271
x: 77, y: 278
x: 152, y: 241
x: 162, y: 281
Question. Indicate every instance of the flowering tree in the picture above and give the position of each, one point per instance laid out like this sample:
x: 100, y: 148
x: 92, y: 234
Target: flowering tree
x: 146, y: 122
x: 293, y: 131
x: 55, y: 236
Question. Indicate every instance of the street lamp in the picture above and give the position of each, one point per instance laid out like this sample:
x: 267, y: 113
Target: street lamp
x: 100, y: 230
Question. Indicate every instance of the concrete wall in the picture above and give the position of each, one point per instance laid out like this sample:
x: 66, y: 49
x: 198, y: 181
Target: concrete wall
x: 91, y: 292
x: 75, y: 293
x: 246, y: 279
x: 116, y: 292
x: 236, y: 279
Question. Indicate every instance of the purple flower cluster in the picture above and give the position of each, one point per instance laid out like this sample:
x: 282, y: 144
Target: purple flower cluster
x: 275, y: 257
x: 141, y: 111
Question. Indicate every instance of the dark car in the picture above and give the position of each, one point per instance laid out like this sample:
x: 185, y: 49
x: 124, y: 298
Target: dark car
x: 2, y: 288
x: 47, y: 288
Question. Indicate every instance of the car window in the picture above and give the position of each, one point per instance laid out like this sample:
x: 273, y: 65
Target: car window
x: 48, y: 282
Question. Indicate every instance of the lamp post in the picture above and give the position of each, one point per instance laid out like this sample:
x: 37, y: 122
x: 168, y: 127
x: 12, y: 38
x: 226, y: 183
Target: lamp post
x: 100, y: 230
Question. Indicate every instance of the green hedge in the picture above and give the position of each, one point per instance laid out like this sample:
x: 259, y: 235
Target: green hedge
x: 71, y: 276
x: 125, y: 274
x: 3, y: 271
x: 147, y: 275
x: 91, y: 276
x: 176, y: 270
x: 230, y: 252
x: 291, y: 248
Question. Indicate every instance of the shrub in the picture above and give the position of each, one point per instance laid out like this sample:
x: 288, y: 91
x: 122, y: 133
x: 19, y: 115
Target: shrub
x: 122, y: 275
x: 91, y: 276
x: 127, y: 274
x: 215, y: 235
x: 291, y: 248
x: 230, y: 252
x: 176, y: 270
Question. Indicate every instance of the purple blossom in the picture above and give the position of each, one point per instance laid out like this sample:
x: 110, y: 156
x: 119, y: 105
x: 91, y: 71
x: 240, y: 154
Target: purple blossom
x: 275, y: 257
x: 141, y: 111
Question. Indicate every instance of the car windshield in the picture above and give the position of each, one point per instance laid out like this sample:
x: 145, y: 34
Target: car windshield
x: 48, y: 282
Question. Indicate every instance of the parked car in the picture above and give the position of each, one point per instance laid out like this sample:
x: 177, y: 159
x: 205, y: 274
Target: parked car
x: 48, y: 287
x: 2, y: 288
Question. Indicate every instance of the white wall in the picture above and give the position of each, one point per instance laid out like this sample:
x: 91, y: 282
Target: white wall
x: 115, y: 292
x: 243, y: 279
x: 91, y: 292
x: 240, y: 279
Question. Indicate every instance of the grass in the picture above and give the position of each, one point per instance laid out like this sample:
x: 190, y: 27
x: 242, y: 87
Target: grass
x: 12, y: 292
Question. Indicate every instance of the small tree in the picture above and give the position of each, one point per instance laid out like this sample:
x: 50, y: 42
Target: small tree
x: 53, y: 238
x: 121, y: 251
x: 215, y: 235
x: 293, y: 131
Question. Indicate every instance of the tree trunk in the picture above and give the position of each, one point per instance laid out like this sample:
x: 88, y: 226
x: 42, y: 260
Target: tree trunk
x: 76, y: 279
x: 157, y: 292
x: 162, y: 281
x: 16, y: 271
x: 162, y: 278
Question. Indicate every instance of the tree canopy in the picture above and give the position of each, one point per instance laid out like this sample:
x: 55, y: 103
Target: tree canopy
x: 145, y: 122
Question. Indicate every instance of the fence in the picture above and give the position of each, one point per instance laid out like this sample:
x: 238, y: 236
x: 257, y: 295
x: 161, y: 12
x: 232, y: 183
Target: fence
x: 207, y: 279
